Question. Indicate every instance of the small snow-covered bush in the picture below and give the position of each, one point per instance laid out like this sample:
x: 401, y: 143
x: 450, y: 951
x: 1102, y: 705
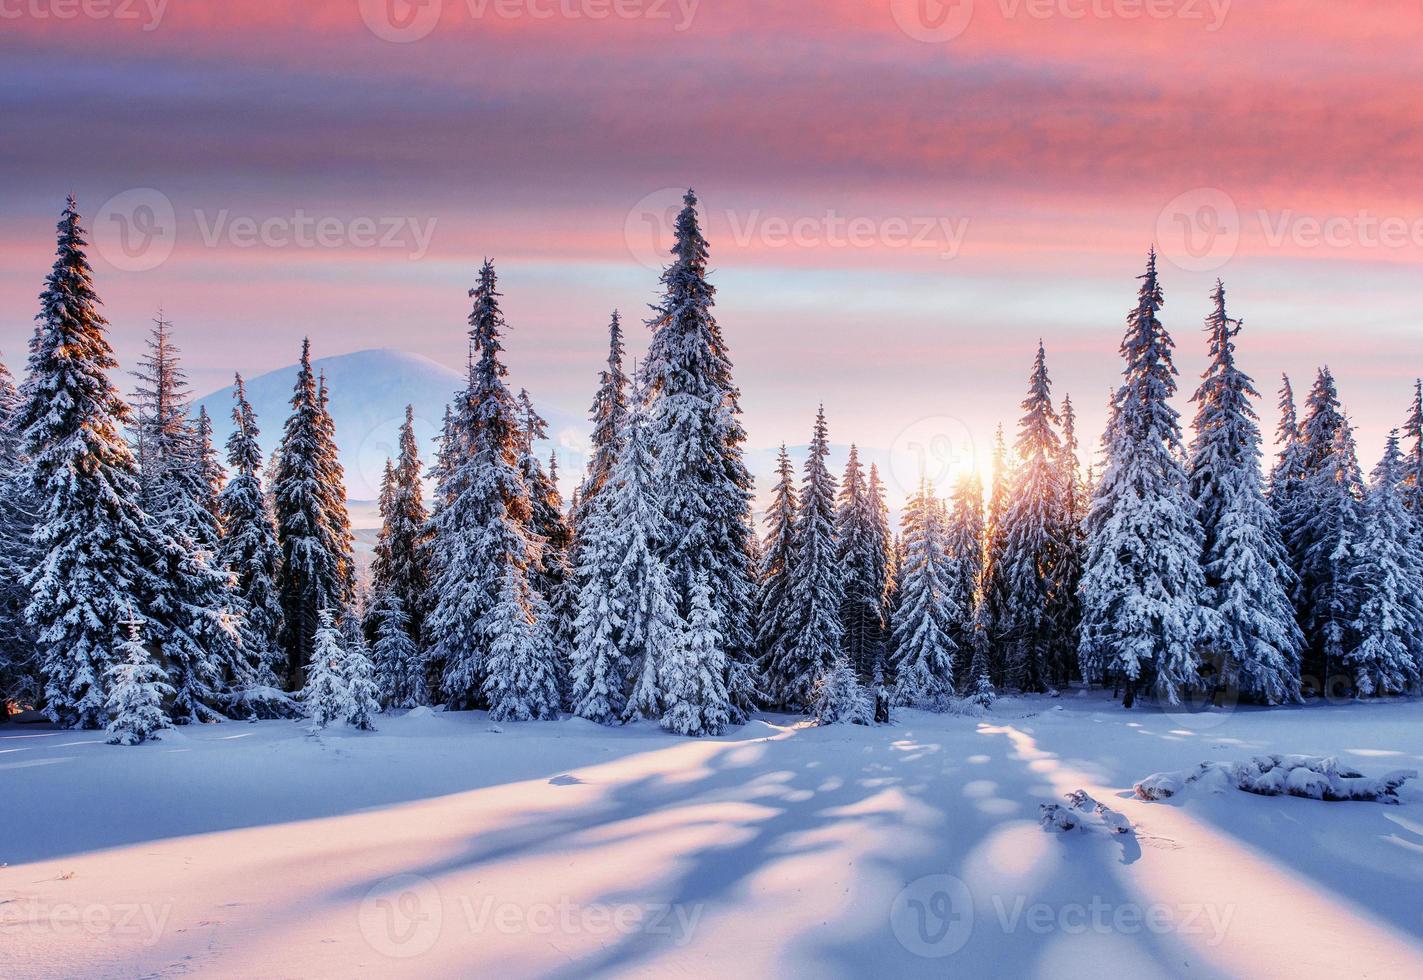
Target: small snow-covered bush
x: 1311, y: 777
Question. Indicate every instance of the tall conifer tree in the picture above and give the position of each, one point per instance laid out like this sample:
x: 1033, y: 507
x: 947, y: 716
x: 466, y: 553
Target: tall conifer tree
x: 697, y: 436
x: 91, y: 538
x: 1257, y: 642
x: 1143, y: 589
x: 816, y: 590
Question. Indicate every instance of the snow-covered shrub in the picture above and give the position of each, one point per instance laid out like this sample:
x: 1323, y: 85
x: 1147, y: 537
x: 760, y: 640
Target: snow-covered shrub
x: 1311, y: 777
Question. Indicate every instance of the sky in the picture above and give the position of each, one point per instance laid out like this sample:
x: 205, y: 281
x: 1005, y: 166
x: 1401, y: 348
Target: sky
x: 902, y: 196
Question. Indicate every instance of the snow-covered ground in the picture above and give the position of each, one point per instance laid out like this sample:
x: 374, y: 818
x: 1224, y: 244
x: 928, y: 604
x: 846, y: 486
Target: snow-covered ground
x: 444, y: 845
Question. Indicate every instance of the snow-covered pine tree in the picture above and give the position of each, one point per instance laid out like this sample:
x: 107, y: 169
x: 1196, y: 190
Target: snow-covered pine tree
x: 652, y: 625
x: 963, y: 545
x: 249, y: 550
x: 90, y: 538
x: 994, y: 591
x: 978, y: 686
x: 1143, y: 590
x: 211, y: 479
x: 1412, y: 474
x: 358, y: 678
x: 523, y: 680
x: 693, y: 674
x: 401, y: 565
x: 552, y: 576
x: 137, y: 690
x: 861, y: 557
x: 1065, y: 610
x: 696, y: 433
x: 315, y: 569
x: 923, y: 648
x: 1031, y: 549
x: 773, y: 609
x: 161, y: 429
x: 1257, y: 641
x: 600, y: 668
x: 18, y: 668
x: 400, y: 669
x: 196, y: 615
x: 1322, y: 527
x: 1388, y: 657
x: 331, y: 491
x: 815, y: 590
x: 323, y: 698
x: 840, y: 698
x: 487, y: 624
x: 609, y: 417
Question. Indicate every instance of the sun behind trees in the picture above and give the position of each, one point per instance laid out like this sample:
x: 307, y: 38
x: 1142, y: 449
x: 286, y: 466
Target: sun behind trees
x: 141, y: 586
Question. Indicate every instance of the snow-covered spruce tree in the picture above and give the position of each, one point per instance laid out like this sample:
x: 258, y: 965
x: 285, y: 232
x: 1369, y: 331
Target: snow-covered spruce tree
x: 696, y: 434
x: 1322, y: 526
x: 963, y: 545
x: 487, y: 623
x: 816, y: 588
x: 994, y: 591
x: 1257, y: 641
x: 693, y: 673
x: 1388, y: 657
x: 331, y: 491
x: 315, y: 572
x: 552, y: 576
x: 401, y: 564
x: 978, y: 686
x: 358, y: 678
x: 162, y: 437
x: 773, y: 609
x: 609, y: 417
x: 652, y: 625
x: 1287, y: 473
x: 138, y: 689
x: 90, y: 538
x: 1065, y: 607
x: 194, y: 612
x: 1144, y: 593
x: 600, y: 668
x: 400, y: 668
x: 839, y: 698
x: 523, y: 679
x: 1035, y: 519
x: 923, y: 648
x: 249, y: 550
x: 323, y: 698
x: 19, y: 679
x: 1411, y: 486
x: 862, y: 560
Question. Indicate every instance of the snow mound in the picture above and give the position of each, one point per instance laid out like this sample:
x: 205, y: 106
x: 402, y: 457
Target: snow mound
x: 1311, y: 777
x: 419, y: 713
